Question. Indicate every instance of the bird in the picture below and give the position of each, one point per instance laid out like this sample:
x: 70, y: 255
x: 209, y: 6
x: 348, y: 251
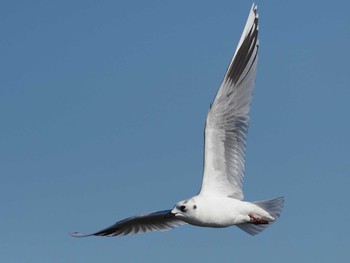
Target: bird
x: 219, y: 202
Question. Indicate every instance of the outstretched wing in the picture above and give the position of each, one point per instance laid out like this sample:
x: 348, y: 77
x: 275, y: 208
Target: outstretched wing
x: 227, y: 120
x: 157, y: 221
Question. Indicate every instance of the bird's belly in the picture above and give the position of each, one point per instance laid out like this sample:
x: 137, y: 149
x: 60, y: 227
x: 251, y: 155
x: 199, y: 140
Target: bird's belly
x: 218, y: 219
x: 214, y: 224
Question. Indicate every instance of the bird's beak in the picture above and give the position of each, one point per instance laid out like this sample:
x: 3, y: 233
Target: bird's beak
x: 170, y: 215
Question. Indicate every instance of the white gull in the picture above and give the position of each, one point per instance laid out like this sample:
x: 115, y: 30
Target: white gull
x: 220, y: 200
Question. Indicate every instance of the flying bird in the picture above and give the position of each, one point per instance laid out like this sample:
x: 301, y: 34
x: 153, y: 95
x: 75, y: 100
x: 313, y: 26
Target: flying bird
x: 220, y: 200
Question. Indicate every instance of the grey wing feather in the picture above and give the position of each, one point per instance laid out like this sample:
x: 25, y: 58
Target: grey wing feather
x: 156, y: 221
x: 227, y: 121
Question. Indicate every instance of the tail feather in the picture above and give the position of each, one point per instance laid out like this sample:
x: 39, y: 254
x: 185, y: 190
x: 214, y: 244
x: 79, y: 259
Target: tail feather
x: 273, y: 207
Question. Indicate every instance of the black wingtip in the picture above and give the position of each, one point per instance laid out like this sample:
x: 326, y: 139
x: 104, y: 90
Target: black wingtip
x: 78, y: 234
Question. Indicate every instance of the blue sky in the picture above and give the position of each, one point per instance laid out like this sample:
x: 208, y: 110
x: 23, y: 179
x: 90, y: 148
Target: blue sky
x: 102, y: 109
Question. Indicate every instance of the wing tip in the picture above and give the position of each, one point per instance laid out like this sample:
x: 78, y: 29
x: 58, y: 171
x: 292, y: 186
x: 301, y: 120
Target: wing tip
x: 254, y: 7
x: 79, y: 234
x: 254, y: 13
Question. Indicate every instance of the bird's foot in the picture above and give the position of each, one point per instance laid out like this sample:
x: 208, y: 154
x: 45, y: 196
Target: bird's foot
x: 257, y: 221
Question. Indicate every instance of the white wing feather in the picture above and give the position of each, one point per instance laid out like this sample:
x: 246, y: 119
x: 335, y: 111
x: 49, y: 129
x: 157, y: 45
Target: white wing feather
x: 157, y: 221
x: 227, y: 121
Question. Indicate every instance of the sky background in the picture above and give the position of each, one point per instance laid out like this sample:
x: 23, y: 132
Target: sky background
x: 102, y: 110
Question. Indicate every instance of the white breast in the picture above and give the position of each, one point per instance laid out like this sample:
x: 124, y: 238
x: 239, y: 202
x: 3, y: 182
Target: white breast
x: 218, y: 212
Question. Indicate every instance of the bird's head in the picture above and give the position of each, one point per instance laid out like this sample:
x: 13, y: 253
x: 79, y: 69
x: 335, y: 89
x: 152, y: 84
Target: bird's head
x: 185, y: 209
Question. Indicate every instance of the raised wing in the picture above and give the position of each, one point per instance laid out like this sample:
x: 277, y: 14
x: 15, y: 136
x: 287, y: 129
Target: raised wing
x: 227, y: 120
x: 157, y: 221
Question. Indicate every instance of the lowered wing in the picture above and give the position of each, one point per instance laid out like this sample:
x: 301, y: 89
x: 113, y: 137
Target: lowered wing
x: 157, y: 221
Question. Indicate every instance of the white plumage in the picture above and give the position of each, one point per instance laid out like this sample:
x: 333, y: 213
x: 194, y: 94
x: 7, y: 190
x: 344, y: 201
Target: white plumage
x: 219, y: 203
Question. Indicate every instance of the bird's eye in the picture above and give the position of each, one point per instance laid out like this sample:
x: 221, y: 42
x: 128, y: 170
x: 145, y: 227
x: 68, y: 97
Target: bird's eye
x: 183, y: 208
x: 194, y: 207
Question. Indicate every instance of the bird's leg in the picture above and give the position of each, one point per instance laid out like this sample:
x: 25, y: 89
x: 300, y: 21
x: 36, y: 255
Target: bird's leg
x: 257, y: 221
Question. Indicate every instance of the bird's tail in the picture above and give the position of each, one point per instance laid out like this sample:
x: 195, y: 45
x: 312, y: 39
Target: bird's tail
x: 273, y: 207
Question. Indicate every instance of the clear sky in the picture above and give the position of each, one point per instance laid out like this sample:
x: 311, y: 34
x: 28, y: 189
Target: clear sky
x: 102, y: 110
